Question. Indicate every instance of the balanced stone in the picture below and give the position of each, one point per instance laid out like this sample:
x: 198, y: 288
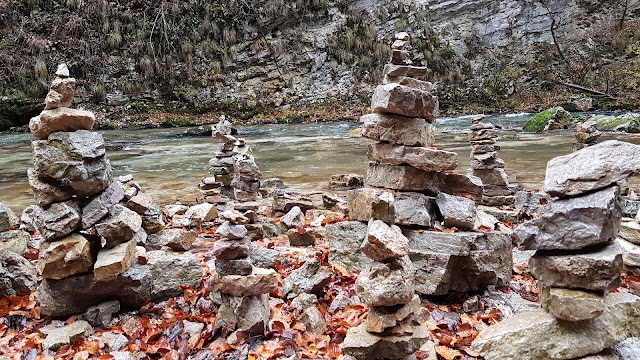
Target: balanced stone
x: 65, y: 257
x: 399, y: 130
x: 572, y: 305
x: 387, y: 284
x: 62, y: 70
x: 345, y: 239
x: 574, y: 223
x: 113, y: 262
x: 598, y: 269
x: 457, y: 211
x: 231, y: 249
x: 60, y: 93
x: 495, y: 181
x: 486, y: 161
x: 201, y: 213
x: 630, y: 231
x: 483, y: 134
x: 140, y: 203
x: 309, y: 278
x: 300, y: 237
x: 240, y: 266
x: 381, y: 318
x: 260, y: 281
x: 406, y: 101
x: 229, y: 231
x: 15, y: 241
x: 120, y: 226
x: 176, y: 239
x: 402, y: 70
x: 408, y: 81
x: 413, y: 208
x: 58, y: 220
x: 99, y: 206
x: 367, y: 203
x: 364, y: 345
x: 418, y: 157
x: 384, y: 242
x: 8, y: 219
x: 47, y: 190
x: 61, y: 119
x: 408, y: 178
x: 592, y: 168
x: 630, y: 253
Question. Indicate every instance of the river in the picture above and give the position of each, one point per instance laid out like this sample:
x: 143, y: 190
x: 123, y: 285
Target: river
x: 304, y: 156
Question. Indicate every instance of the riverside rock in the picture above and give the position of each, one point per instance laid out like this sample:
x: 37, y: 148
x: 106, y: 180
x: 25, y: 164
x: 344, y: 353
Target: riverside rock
x: 65, y: 257
x: 57, y: 220
x: 66, y: 334
x: 407, y: 178
x: 47, y: 190
x: 293, y: 219
x: 230, y: 231
x: 572, y: 305
x: 62, y: 90
x: 247, y: 313
x: 397, y: 129
x: 630, y: 231
x: 630, y: 252
x: 384, y: 242
x: 121, y: 226
x: 231, y: 249
x: 598, y: 269
x: 61, y: 119
x: 419, y: 157
x: 537, y: 334
x: 387, y: 284
x: 382, y: 318
x: 403, y: 70
x: 176, y: 239
x: 574, y: 223
x: 362, y: 344
x: 239, y: 266
x: 15, y: 241
x: 17, y: 275
x: 8, y: 219
x: 345, y: 239
x: 260, y: 281
x: 99, y: 206
x: 113, y: 262
x: 460, y: 261
x: 405, y: 101
x: 309, y: 278
x: 592, y: 168
x: 367, y: 203
x: 160, y: 278
x: 457, y: 211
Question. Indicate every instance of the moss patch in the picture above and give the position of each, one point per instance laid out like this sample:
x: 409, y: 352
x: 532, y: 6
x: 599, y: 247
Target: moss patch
x: 550, y: 119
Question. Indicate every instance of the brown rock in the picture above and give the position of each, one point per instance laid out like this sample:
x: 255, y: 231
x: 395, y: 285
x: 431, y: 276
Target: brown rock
x: 402, y: 70
x: 231, y: 249
x: 260, y: 281
x: 409, y: 81
x: 384, y: 242
x: 406, y: 101
x: 140, y: 203
x: 419, y: 157
x: 572, y: 305
x: 47, y: 191
x: 381, y: 318
x: 397, y: 129
x: 121, y: 226
x: 113, y: 262
x: 60, y: 93
x: 65, y: 257
x: 60, y: 119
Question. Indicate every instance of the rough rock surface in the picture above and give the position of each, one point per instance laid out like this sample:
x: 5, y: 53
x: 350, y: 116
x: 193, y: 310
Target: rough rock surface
x: 293, y: 219
x: 594, y: 269
x: 58, y: 220
x: 15, y: 241
x: 309, y: 278
x: 102, y: 314
x: 459, y: 262
x: 47, y: 190
x: 17, y: 275
x: 592, y: 168
x: 419, y: 157
x: 157, y: 280
x: 457, y: 211
x: 113, y: 262
x: 121, y: 226
x: 176, y: 239
x: 574, y: 223
x: 367, y: 346
x: 248, y: 313
x: 384, y: 242
x: 367, y: 203
x: 260, y: 281
x: 387, y: 284
x: 630, y: 252
x: 398, y: 129
x: 99, y: 206
x: 537, y: 334
x: 572, y: 305
x: 65, y: 257
x: 381, y: 318
x: 8, y: 219
x: 60, y: 119
x: 57, y: 336
x: 345, y: 239
x: 630, y: 231
x: 403, y: 100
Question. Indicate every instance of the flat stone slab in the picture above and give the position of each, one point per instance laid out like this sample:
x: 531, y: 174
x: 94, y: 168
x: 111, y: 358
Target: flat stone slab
x: 408, y: 178
x: 403, y: 100
x: 61, y: 119
x: 536, y: 334
x: 404, y: 70
x: 597, y: 269
x: 397, y: 129
x: 364, y: 345
x: 591, y: 168
x: 260, y: 281
x: 572, y: 305
x: 574, y: 223
x: 419, y: 157
x: 630, y: 231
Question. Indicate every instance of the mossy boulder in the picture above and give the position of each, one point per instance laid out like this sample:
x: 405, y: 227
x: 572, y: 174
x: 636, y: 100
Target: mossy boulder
x: 555, y: 118
x: 628, y: 122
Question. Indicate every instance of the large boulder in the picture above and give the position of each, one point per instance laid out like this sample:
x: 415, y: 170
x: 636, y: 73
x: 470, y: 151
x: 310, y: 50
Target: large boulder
x: 17, y: 275
x: 459, y: 262
x: 594, y: 167
x: 403, y: 100
x: 8, y: 219
x: 61, y: 119
x: 397, y: 129
x: 345, y: 239
x: 536, y: 334
x: 160, y: 276
x: 419, y: 157
x: 597, y: 269
x: 77, y: 158
x: 408, y: 178
x: 574, y: 223
x: 551, y: 119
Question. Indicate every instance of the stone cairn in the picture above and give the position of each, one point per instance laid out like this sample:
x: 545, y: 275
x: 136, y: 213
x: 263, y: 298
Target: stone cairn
x: 234, y: 169
x: 408, y: 183
x: 487, y: 166
x: 244, y: 289
x: 89, y: 223
x: 577, y: 261
x: 586, y: 134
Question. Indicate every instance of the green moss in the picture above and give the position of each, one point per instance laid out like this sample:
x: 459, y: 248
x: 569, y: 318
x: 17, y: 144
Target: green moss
x: 176, y: 122
x: 605, y: 122
x: 550, y: 119
x: 538, y: 122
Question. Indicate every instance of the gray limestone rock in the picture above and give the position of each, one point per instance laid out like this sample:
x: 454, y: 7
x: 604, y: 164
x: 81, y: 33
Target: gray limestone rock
x: 293, y: 219
x: 248, y: 313
x: 384, y: 242
x: 260, y: 281
x: 574, y: 223
x: 57, y: 220
x: 397, y: 129
x: 176, y: 239
x: 593, y: 269
x: 530, y: 203
x: 403, y: 100
x: 8, y: 219
x: 572, y: 305
x: 241, y: 266
x: 17, y: 275
x: 381, y: 318
x: 15, y: 241
x: 630, y: 252
x: 368, y: 203
x: 387, y: 284
x: 231, y: 249
x: 309, y: 278
x: 364, y: 345
x: 57, y: 336
x: 345, y: 239
x: 459, y: 262
x: 495, y: 181
x: 229, y: 231
x: 98, y: 207
x: 419, y: 157
x: 591, y: 168
x: 120, y: 226
x: 457, y: 211
x: 536, y: 334
x: 47, y: 190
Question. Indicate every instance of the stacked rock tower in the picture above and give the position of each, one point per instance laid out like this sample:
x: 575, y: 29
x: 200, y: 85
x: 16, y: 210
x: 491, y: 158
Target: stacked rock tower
x: 577, y: 262
x: 487, y: 166
x: 244, y: 289
x: 89, y: 223
x: 409, y: 186
x: 586, y: 134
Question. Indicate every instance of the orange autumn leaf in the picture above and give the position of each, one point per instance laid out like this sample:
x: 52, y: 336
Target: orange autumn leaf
x: 448, y: 353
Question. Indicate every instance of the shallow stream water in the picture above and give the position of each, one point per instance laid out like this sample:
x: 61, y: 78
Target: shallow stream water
x: 169, y: 167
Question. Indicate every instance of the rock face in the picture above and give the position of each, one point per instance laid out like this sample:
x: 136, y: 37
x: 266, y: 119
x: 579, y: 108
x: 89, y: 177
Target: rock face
x: 345, y: 239
x: 538, y: 335
x: 592, y: 168
x: 18, y: 276
x: 574, y: 223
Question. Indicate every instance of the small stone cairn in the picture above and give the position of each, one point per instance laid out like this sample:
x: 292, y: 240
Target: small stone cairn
x: 234, y: 169
x: 487, y: 166
x: 576, y: 262
x: 89, y: 223
x: 244, y: 289
x: 586, y: 134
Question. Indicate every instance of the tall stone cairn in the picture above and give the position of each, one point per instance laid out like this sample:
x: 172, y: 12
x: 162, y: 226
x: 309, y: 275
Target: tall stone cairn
x: 234, y: 169
x: 487, y: 166
x: 409, y: 185
x: 576, y: 261
x: 244, y: 289
x: 89, y: 223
